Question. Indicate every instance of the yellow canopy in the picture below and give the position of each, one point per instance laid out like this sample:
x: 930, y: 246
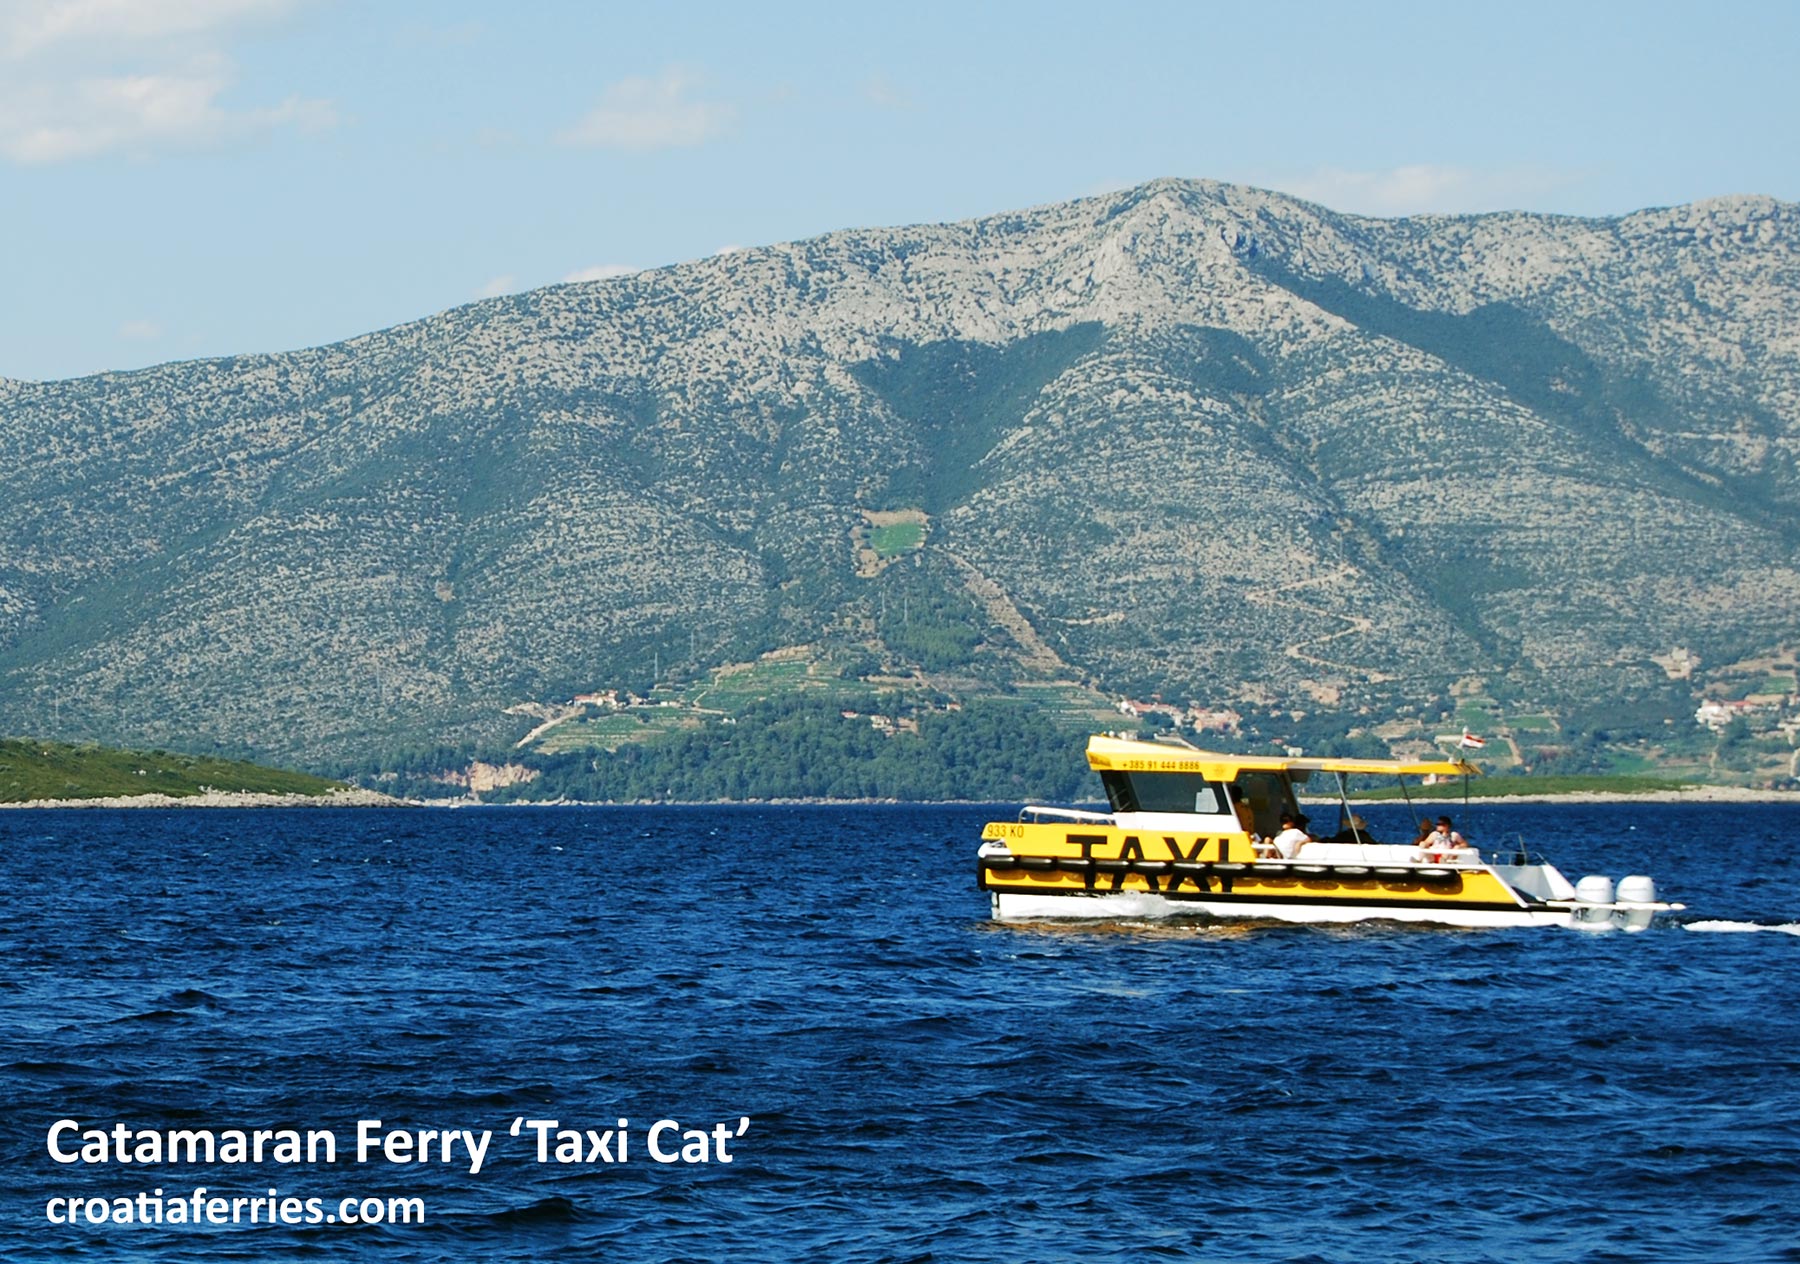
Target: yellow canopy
x: 1123, y: 755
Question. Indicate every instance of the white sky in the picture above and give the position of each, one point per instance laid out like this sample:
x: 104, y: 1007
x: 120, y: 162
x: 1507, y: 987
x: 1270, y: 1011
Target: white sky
x: 184, y: 178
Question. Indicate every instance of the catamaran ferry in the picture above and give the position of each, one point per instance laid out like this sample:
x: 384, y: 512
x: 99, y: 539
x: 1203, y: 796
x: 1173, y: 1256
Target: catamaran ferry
x: 1199, y: 832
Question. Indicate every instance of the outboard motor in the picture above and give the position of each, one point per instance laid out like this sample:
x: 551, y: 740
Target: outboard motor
x: 1595, y: 890
x: 1636, y: 888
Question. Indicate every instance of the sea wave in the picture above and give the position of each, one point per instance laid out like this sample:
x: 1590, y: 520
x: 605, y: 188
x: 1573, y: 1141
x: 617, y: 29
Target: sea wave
x: 922, y: 1083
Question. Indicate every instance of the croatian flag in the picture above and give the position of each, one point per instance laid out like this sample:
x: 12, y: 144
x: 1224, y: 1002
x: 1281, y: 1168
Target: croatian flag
x: 1471, y: 742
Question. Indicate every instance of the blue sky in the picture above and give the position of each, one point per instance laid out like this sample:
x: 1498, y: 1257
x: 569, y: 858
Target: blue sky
x: 183, y: 178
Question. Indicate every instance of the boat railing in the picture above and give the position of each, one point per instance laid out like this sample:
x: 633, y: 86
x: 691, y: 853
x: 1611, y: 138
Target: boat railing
x: 1385, y: 854
x: 1034, y: 811
x: 1379, y: 860
x: 1514, y: 850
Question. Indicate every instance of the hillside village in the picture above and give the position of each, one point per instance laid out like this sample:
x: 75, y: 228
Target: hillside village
x: 1752, y: 740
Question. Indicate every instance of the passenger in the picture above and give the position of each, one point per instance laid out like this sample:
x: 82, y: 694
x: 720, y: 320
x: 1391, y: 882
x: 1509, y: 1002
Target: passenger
x: 1292, y: 838
x: 1451, y: 845
x: 1246, y: 814
x: 1422, y: 844
x: 1442, y: 842
x: 1355, y: 830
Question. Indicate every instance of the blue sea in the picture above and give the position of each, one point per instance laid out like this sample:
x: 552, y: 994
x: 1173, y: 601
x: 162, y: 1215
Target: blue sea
x: 920, y: 1084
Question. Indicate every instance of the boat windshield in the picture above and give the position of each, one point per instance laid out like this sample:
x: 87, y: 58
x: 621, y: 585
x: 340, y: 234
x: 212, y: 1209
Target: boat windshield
x: 1163, y: 792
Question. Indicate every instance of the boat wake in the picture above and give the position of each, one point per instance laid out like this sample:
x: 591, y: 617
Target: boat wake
x: 1726, y: 927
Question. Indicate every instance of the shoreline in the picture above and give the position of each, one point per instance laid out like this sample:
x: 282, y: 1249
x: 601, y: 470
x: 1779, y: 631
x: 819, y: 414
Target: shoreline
x: 351, y: 798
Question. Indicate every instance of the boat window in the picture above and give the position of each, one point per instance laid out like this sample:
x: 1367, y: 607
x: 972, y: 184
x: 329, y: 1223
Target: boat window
x: 1269, y: 794
x: 1163, y: 792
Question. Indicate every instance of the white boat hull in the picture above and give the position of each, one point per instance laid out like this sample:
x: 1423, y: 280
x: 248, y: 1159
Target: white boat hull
x: 1133, y: 905
x: 1140, y: 905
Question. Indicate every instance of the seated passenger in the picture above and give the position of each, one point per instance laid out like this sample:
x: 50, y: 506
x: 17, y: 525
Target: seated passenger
x: 1423, y: 843
x: 1355, y: 830
x: 1439, y: 843
x: 1450, y: 844
x: 1246, y: 815
x: 1292, y: 838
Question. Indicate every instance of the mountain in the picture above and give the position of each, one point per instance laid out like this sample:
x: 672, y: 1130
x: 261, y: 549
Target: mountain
x: 1190, y: 438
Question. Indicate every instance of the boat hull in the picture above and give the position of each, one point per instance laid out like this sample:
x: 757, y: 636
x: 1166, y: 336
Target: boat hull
x: 1135, y: 905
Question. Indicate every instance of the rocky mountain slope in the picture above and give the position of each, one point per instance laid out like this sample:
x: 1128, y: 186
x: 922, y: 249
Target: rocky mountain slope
x: 1199, y: 438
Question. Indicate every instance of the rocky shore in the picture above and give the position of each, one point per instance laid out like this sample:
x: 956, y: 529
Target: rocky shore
x: 352, y: 798
x: 359, y: 798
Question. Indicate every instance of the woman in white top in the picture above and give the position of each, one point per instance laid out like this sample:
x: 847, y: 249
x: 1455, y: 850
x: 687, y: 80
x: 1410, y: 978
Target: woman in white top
x: 1444, y: 843
x: 1292, y: 837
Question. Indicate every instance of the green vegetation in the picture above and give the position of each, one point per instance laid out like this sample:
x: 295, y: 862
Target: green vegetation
x: 1510, y: 787
x: 926, y: 621
x: 803, y: 747
x: 898, y: 538
x: 615, y: 729
x: 32, y: 770
x: 1069, y: 707
x: 806, y: 724
x: 734, y: 687
x: 962, y: 397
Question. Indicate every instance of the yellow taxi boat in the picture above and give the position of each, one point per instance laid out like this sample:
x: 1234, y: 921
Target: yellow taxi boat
x: 1190, y: 833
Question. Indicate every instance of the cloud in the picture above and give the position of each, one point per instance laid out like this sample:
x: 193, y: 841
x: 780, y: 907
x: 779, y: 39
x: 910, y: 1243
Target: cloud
x: 642, y: 115
x: 602, y: 272
x: 1425, y: 188
x: 81, y: 78
x: 28, y: 27
x: 140, y: 330
x: 882, y: 92
x: 494, y: 287
x: 84, y: 117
